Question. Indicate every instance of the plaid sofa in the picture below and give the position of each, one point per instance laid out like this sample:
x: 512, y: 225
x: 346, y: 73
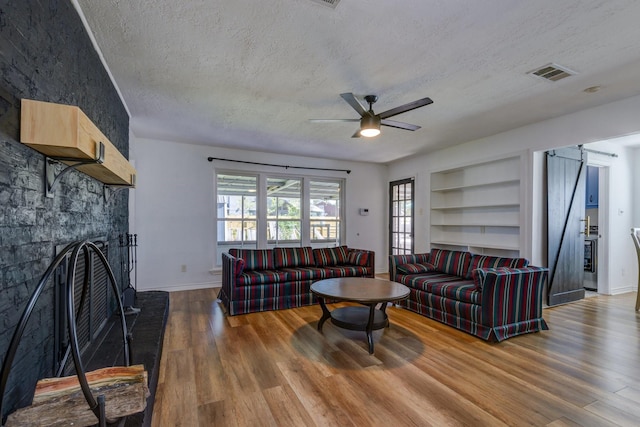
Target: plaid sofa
x: 493, y: 298
x: 273, y: 279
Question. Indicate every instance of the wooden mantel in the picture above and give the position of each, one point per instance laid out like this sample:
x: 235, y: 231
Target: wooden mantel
x: 65, y: 132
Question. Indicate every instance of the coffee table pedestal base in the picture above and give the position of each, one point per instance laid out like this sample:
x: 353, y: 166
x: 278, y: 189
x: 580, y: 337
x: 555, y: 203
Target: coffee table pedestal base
x: 366, y: 318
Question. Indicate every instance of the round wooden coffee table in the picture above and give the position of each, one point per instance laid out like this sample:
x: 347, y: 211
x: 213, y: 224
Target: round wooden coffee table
x: 363, y: 290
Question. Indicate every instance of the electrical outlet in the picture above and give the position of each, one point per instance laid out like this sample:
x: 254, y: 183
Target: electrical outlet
x: 183, y: 268
x: 622, y: 272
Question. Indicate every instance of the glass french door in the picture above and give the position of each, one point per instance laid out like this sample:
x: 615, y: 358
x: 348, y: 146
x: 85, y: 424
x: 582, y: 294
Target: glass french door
x: 401, y: 217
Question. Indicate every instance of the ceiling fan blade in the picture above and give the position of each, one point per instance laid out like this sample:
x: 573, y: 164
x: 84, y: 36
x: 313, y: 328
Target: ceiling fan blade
x: 399, y: 125
x: 355, y: 104
x: 333, y: 120
x: 356, y: 135
x: 406, y: 107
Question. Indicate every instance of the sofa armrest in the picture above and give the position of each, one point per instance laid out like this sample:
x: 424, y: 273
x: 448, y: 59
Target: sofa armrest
x: 229, y: 268
x: 371, y: 260
x: 397, y: 260
x: 511, y: 295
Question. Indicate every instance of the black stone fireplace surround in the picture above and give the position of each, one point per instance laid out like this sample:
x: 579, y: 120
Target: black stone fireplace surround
x: 46, y: 55
x: 99, y: 333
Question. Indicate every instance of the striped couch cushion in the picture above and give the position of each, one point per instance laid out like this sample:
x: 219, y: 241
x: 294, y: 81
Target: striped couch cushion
x: 356, y: 257
x: 483, y: 261
x: 445, y: 285
x: 415, y: 268
x: 293, y: 257
x: 450, y: 262
x: 330, y: 256
x: 410, y: 259
x: 261, y: 277
x: 255, y: 259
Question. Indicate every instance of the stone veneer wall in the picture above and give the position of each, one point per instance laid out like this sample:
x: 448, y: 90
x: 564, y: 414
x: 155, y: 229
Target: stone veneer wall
x: 46, y: 54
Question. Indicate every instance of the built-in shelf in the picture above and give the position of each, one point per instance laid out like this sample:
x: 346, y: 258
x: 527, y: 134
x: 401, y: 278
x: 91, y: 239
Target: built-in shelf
x: 64, y: 133
x: 475, y: 224
x: 477, y: 207
x: 469, y: 186
x: 479, y: 245
x: 487, y: 205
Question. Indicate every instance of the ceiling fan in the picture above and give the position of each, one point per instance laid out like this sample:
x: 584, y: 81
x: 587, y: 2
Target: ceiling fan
x: 370, y: 122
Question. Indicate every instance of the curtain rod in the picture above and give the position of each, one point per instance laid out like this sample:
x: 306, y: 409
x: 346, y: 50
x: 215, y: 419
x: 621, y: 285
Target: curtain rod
x: 348, y: 171
x: 601, y: 152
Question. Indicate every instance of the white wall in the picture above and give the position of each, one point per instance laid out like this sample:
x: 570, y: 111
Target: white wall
x: 174, y: 208
x: 587, y: 126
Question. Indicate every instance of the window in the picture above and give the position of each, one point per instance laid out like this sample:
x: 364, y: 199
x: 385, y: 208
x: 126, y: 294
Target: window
x: 237, y: 208
x: 284, y: 210
x: 324, y: 214
x: 262, y: 211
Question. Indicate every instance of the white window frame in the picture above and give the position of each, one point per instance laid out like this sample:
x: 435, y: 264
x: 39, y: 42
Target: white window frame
x: 242, y: 242
x: 261, y: 211
x: 279, y: 242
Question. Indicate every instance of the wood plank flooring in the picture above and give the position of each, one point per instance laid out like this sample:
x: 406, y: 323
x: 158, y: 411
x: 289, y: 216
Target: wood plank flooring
x: 276, y: 369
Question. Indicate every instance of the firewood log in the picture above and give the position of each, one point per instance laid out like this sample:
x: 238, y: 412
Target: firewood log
x: 60, y: 402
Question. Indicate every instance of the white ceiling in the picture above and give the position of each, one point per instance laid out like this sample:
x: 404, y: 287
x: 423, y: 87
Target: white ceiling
x: 249, y: 74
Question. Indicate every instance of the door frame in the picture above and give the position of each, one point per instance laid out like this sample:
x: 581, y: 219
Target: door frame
x: 604, y: 177
x: 413, y: 216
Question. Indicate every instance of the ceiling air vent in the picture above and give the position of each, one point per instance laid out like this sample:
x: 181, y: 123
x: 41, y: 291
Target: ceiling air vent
x: 552, y: 72
x: 329, y: 3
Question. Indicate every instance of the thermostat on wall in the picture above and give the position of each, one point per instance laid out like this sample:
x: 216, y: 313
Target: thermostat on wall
x: 364, y: 211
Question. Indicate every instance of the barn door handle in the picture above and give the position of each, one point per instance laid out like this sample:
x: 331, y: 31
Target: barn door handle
x: 587, y: 225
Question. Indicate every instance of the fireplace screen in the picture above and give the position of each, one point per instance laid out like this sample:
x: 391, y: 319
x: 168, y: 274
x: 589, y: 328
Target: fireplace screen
x: 95, y: 309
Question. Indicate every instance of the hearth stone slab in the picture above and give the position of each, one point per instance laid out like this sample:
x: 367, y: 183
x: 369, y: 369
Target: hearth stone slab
x: 147, y: 329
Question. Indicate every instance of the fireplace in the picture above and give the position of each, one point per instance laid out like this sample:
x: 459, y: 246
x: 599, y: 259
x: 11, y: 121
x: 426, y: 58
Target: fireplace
x: 103, y: 335
x: 80, y: 276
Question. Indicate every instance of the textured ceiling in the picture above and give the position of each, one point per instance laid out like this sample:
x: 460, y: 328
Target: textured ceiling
x: 249, y: 75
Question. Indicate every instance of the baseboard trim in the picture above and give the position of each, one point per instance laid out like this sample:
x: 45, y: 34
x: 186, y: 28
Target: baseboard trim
x: 624, y: 290
x: 182, y: 287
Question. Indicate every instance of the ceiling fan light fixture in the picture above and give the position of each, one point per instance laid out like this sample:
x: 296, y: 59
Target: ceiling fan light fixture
x: 370, y: 132
x: 369, y: 126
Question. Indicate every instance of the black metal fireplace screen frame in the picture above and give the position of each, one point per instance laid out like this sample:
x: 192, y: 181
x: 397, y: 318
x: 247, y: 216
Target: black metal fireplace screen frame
x: 86, y: 248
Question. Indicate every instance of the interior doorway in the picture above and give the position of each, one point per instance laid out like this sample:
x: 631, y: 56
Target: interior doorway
x: 591, y: 229
x: 596, y: 268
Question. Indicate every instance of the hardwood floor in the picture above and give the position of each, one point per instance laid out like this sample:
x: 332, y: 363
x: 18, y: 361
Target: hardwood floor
x: 276, y: 369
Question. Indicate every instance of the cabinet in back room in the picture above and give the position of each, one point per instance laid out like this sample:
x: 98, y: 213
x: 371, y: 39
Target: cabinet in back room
x: 592, y: 187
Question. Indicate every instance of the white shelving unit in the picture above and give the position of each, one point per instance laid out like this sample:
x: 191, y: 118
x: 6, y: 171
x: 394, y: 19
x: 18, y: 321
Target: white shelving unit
x: 477, y: 207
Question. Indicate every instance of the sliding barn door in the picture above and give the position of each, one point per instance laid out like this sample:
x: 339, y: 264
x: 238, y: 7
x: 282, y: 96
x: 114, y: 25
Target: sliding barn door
x: 566, y: 170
